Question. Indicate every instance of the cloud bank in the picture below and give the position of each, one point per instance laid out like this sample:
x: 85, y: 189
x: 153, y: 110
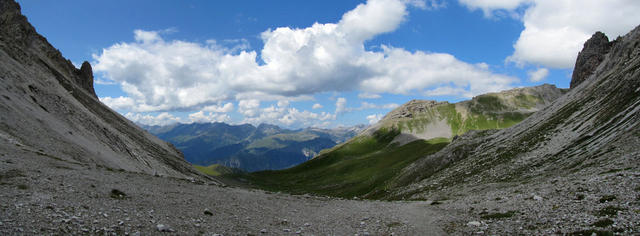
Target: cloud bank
x: 160, y: 75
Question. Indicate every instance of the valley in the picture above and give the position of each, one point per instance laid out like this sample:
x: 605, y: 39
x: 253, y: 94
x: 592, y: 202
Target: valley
x: 537, y: 160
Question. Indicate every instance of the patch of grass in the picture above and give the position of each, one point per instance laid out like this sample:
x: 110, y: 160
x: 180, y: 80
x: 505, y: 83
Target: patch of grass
x: 499, y: 215
x: 607, y: 198
x: 214, y: 170
x: 603, y: 223
x: 117, y: 194
x: 609, y: 211
x: 361, y: 167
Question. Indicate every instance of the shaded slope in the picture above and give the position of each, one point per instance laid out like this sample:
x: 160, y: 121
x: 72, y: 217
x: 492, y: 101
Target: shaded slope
x: 49, y: 107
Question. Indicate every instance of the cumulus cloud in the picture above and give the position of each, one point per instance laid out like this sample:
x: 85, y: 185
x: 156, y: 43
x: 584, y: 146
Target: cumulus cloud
x: 369, y: 95
x: 374, y: 118
x: 538, y: 75
x: 227, y: 107
x: 283, y: 114
x: 163, y: 118
x: 341, y: 105
x: 556, y: 30
x: 201, y: 117
x: 161, y: 75
x: 316, y: 106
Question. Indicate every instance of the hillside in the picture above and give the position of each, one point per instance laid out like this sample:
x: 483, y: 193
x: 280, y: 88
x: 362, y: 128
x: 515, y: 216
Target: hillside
x: 362, y: 166
x: 423, y: 119
x: 248, y: 147
x: 50, y: 108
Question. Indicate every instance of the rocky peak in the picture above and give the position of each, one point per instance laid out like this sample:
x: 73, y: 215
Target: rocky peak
x: 590, y: 57
x: 85, y: 78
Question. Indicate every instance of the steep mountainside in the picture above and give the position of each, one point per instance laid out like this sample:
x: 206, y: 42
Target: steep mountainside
x: 50, y: 108
x: 247, y: 147
x: 363, y: 165
x: 578, y: 159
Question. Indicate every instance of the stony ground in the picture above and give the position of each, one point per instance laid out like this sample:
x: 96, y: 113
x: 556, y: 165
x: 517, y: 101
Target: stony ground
x: 43, y: 195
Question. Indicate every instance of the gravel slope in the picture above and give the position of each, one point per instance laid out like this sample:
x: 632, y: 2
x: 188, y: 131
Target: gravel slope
x: 43, y: 195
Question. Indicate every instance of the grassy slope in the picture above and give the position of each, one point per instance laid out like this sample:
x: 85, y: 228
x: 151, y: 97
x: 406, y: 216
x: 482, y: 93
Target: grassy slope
x: 485, y: 112
x: 214, y: 170
x: 363, y: 166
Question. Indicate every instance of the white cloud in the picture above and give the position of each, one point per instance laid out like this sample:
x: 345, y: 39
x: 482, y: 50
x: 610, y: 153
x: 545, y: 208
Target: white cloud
x: 341, y: 105
x: 227, y: 107
x: 119, y: 103
x: 201, y: 117
x: 316, y: 106
x: 161, y: 75
x: 163, y: 118
x: 374, y: 118
x: 369, y: 95
x: 249, y: 108
x: 282, y: 114
x: 538, y: 75
x: 556, y: 30
x: 367, y: 105
x: 489, y: 7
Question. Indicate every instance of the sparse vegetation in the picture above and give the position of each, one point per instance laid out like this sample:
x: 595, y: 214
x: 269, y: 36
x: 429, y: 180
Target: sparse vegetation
x: 609, y: 211
x: 607, y: 198
x: 214, y: 170
x: 117, y: 194
x: 603, y: 223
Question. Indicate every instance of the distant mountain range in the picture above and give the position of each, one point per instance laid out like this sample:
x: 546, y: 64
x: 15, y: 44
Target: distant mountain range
x: 250, y: 148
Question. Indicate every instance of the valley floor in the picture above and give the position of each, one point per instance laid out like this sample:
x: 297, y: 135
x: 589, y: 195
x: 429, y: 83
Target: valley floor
x: 45, y: 195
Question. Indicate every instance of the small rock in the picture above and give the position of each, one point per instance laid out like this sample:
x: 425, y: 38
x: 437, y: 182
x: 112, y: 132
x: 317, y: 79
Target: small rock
x: 298, y: 232
x: 537, y: 198
x: 474, y: 223
x: 263, y: 231
x: 287, y: 230
x: 307, y: 224
x: 164, y: 228
x: 480, y: 232
x: 208, y: 212
x: 362, y: 223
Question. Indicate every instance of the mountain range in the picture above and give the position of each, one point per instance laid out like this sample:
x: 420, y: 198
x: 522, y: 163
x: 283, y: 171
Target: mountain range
x: 250, y: 148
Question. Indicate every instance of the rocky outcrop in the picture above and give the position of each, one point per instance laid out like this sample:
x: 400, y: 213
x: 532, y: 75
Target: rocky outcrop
x: 590, y: 57
x: 85, y: 78
x: 50, y: 108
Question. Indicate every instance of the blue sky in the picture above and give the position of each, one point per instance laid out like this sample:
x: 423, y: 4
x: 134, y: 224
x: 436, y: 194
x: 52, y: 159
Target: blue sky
x: 317, y: 63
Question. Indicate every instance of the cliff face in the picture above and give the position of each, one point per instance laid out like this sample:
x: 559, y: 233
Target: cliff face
x: 50, y: 107
x: 592, y: 54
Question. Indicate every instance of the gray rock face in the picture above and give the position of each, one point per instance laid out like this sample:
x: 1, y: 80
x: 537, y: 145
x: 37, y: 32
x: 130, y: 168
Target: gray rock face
x: 590, y: 57
x: 49, y: 107
x: 85, y: 78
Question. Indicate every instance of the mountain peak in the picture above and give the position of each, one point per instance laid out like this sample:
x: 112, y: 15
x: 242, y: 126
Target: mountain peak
x: 590, y: 57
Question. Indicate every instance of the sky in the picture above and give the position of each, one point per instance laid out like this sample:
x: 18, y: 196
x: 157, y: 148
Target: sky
x: 326, y: 63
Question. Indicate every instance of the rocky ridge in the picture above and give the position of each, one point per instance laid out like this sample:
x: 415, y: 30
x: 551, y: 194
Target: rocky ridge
x: 50, y: 107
